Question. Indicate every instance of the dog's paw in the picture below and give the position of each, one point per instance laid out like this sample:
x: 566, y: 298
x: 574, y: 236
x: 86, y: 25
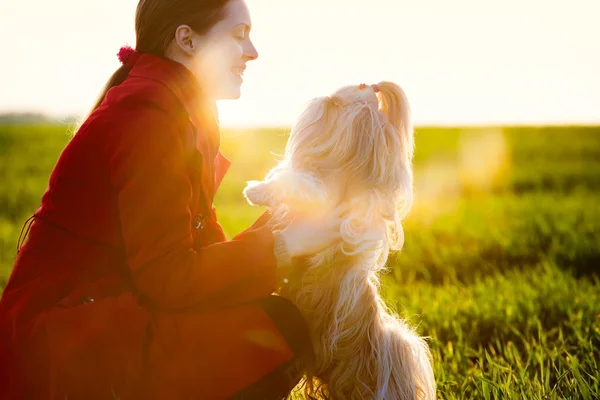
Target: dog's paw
x: 303, y: 191
x: 257, y: 193
x: 298, y: 191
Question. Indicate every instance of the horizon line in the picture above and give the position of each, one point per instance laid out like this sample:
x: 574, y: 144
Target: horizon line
x: 71, y: 118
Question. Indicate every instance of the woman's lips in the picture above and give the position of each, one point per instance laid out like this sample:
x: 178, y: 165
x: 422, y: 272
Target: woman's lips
x: 239, y: 71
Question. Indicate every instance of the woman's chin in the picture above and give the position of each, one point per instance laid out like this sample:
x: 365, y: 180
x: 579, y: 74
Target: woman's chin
x: 236, y: 93
x: 233, y: 91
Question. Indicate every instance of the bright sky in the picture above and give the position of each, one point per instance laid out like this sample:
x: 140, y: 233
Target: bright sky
x: 459, y: 61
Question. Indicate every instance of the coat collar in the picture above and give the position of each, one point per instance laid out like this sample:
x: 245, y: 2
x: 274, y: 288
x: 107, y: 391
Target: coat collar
x: 203, y: 115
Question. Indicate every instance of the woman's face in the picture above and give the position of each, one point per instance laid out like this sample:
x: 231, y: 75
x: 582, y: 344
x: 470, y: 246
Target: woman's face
x: 222, y: 53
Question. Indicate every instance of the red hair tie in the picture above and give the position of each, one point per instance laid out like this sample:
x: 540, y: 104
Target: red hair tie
x: 364, y: 86
x: 128, y: 56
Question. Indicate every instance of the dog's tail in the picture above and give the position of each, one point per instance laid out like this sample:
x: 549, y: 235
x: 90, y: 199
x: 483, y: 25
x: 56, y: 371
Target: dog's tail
x: 362, y: 350
x: 407, y: 359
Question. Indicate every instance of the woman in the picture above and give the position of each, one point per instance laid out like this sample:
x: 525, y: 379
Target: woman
x: 126, y: 287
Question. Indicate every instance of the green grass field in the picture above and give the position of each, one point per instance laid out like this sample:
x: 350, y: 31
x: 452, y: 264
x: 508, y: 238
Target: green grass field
x: 501, y: 263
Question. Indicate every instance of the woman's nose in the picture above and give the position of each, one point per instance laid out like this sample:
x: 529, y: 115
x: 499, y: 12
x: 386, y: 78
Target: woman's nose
x: 250, y: 51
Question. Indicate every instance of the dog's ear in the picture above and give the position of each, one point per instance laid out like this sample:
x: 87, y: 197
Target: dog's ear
x: 364, y: 228
x: 310, y: 136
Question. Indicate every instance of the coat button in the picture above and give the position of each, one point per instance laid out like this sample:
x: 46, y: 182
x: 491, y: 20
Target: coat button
x: 199, y: 222
x: 87, y: 300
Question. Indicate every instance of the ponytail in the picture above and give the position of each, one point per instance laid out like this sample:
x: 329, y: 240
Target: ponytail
x: 128, y: 57
x: 394, y: 104
x: 116, y: 79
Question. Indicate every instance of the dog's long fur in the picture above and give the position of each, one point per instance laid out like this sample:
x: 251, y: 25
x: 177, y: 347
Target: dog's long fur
x: 354, y: 148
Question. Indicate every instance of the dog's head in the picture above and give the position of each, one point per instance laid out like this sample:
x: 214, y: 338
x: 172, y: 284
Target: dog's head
x: 354, y: 147
x: 360, y: 137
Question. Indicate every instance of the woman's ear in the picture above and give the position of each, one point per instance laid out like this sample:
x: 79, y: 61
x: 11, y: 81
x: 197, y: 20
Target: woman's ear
x: 184, y: 40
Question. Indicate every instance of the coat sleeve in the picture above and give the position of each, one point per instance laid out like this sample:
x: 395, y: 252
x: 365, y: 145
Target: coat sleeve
x: 147, y: 168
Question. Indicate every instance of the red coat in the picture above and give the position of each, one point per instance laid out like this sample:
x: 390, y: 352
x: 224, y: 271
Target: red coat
x: 126, y: 284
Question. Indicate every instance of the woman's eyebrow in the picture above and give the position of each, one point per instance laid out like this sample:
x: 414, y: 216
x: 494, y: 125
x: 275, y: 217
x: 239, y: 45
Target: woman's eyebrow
x: 246, y: 26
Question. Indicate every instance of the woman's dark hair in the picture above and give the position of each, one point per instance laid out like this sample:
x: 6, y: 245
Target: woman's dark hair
x: 156, y: 22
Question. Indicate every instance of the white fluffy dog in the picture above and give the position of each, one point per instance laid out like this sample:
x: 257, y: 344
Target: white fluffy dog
x: 354, y: 149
